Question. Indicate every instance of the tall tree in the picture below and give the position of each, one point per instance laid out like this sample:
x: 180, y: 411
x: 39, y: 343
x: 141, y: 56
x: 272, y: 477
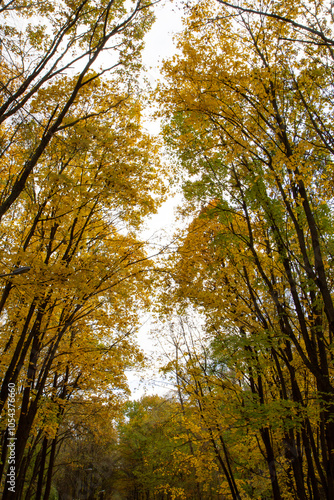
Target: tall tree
x: 51, y: 49
x: 249, y: 101
x: 67, y: 323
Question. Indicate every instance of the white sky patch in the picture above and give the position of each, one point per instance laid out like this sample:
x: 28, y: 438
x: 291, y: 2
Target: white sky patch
x: 148, y: 381
x: 159, y: 43
x: 159, y: 228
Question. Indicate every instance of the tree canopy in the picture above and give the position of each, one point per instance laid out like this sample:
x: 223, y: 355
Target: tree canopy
x: 244, y: 295
x: 248, y: 107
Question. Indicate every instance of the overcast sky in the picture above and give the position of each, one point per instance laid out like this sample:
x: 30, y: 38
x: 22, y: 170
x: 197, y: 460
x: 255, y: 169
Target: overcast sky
x: 159, y: 41
x: 159, y: 45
